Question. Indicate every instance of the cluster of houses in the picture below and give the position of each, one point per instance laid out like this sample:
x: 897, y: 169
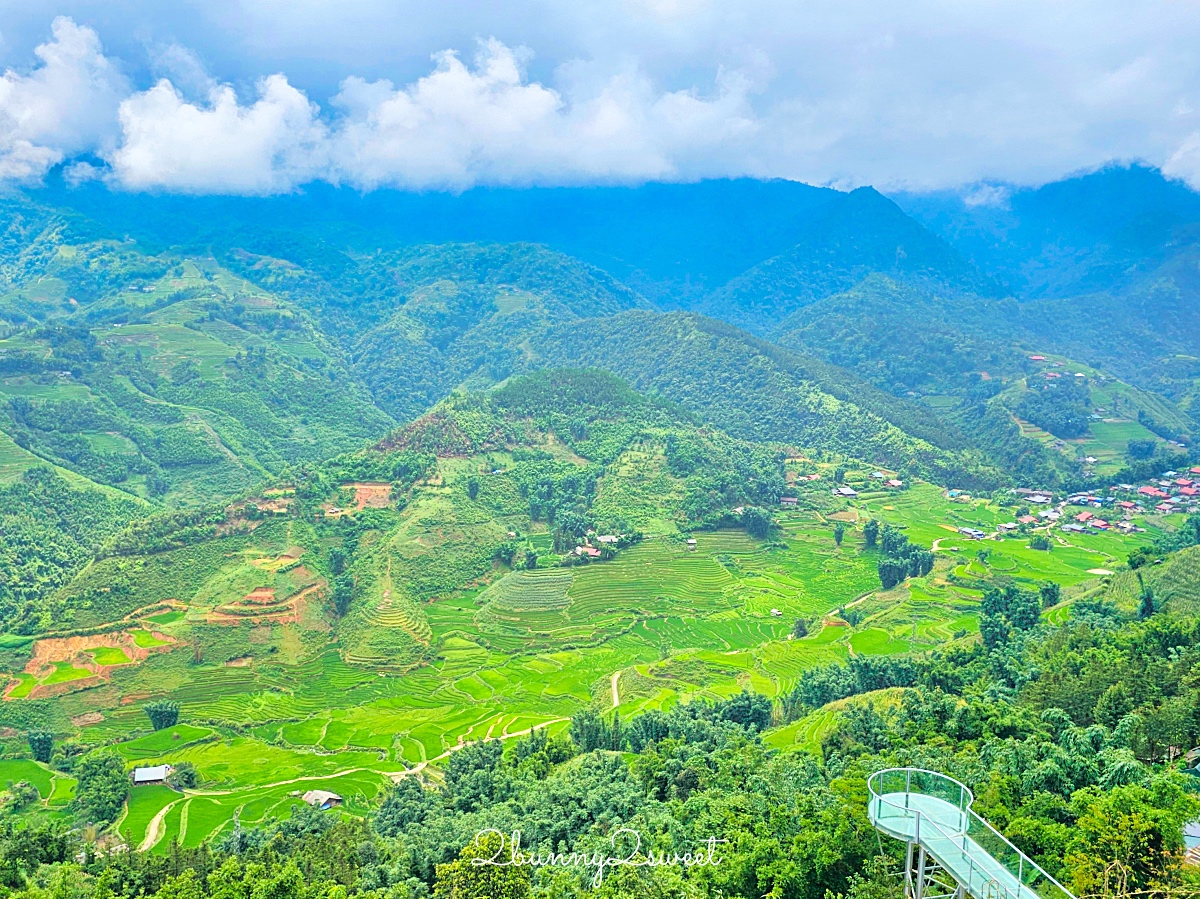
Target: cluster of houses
x: 1173, y: 492
x: 1052, y: 375
x: 594, y: 547
x: 1107, y: 510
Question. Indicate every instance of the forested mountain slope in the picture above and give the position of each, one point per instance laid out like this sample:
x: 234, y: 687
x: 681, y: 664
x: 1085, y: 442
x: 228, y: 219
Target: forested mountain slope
x: 865, y: 234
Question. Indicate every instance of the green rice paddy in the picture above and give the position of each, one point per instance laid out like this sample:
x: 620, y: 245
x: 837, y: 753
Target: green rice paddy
x: 271, y: 708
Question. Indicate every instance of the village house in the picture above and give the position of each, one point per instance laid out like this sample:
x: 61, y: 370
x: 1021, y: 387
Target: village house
x: 154, y: 774
x: 590, y: 551
x: 845, y: 491
x: 323, y: 799
x: 788, y: 500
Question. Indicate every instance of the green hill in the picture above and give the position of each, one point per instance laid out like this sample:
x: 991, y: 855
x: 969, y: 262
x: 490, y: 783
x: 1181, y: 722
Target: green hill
x: 171, y: 379
x: 866, y: 234
x: 970, y: 362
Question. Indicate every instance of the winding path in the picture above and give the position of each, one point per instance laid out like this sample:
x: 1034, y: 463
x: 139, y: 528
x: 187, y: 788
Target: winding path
x: 153, y: 829
x: 616, y: 696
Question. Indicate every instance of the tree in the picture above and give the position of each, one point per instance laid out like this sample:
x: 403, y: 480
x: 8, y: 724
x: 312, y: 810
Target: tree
x: 590, y: 732
x: 757, y: 522
x: 406, y: 803
x: 184, y: 776
x: 839, y: 532
x: 800, y: 628
x: 162, y: 714
x: 41, y: 744
x: 337, y: 561
x: 1141, y: 449
x: 1145, y: 599
x: 1040, y: 541
x: 472, y: 487
x: 531, y: 559
x: 993, y: 630
x: 103, y: 785
x: 1137, y: 826
x: 1051, y: 594
x: 871, y: 533
x: 22, y: 794
x: 343, y: 594
x: 463, y: 878
x: 1023, y: 609
x: 892, y: 572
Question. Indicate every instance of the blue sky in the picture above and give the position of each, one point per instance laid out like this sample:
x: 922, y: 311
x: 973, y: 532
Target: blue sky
x: 262, y: 97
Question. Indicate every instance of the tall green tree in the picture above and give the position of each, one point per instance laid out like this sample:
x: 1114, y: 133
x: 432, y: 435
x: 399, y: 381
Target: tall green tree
x: 103, y: 785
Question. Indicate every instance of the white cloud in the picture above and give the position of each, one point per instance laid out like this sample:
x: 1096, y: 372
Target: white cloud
x: 933, y: 93
x: 66, y: 105
x: 268, y: 146
x: 458, y: 126
x: 1185, y: 162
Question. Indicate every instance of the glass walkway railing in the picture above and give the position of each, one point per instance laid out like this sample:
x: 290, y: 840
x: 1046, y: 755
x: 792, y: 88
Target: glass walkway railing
x: 933, y: 812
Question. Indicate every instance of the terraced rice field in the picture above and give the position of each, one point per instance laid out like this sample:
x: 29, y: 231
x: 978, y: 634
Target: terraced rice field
x: 269, y: 708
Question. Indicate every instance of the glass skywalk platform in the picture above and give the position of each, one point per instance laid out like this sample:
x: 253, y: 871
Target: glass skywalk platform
x: 932, y: 814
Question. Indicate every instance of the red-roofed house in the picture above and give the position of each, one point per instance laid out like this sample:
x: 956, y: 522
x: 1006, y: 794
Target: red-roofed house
x: 1189, y: 491
x: 1027, y: 519
x: 1038, y: 358
x: 1195, y: 470
x: 1165, y: 507
x: 1125, y: 504
x: 1084, y: 516
x: 1151, y: 491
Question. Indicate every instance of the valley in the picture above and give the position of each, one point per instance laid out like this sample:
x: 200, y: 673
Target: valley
x: 384, y: 534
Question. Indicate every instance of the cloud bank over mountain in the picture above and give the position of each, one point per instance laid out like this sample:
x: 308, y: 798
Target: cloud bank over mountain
x: 262, y: 97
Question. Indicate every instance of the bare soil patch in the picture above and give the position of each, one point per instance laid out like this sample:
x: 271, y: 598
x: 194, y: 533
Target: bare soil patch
x: 370, y: 494
x: 50, y: 652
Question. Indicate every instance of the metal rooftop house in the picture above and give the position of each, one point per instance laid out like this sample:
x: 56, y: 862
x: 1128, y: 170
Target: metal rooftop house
x: 952, y: 852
